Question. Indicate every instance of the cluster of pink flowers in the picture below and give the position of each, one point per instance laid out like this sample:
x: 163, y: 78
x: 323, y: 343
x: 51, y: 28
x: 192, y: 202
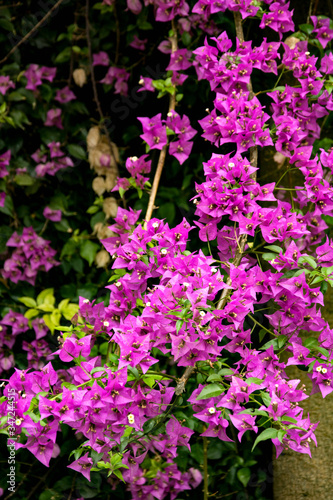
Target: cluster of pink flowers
x: 50, y: 162
x: 136, y: 167
x: 166, y: 301
x: 31, y: 254
x: 11, y: 325
x: 115, y: 76
x: 155, y: 134
x: 36, y: 74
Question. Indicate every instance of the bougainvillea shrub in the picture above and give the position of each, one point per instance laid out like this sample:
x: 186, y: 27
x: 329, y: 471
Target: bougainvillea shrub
x: 155, y: 288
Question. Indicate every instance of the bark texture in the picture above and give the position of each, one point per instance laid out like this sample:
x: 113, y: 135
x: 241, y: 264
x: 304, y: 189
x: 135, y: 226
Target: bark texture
x: 297, y: 476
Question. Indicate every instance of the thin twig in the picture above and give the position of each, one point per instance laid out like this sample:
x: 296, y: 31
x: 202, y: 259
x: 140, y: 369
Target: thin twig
x: 32, y: 31
x: 180, y: 388
x: 93, y: 81
x: 161, y: 159
x: 117, y: 33
x: 22, y: 481
x: 205, y: 466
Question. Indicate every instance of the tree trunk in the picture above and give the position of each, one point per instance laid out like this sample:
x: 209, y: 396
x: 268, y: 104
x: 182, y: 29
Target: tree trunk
x: 297, y: 476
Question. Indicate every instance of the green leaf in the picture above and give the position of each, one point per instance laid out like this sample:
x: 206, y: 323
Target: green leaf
x: 77, y: 151
x: 64, y: 56
x: 265, y: 398
x: 210, y: 391
x: 274, y: 248
x: 63, y: 304
x: 214, y: 378
x: 226, y: 371
x: 8, y: 206
x: 266, y: 434
x: 179, y: 324
x: 308, y: 260
x: 28, y: 301
x: 310, y: 342
x: 286, y: 418
x: 280, y: 435
x: 70, y: 311
x: 46, y: 307
x: 48, y: 322
x: 88, y: 250
x: 42, y: 296
x: 24, y: 180
x: 55, y: 317
x: 244, y: 475
x: 7, y: 25
x: 306, y: 28
x: 262, y: 334
x: 117, y: 473
x: 31, y: 313
x: 254, y: 380
x: 268, y: 256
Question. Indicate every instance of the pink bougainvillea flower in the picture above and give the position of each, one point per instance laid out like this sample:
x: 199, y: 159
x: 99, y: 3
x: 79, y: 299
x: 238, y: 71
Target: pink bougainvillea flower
x: 138, y: 44
x: 101, y: 59
x: 83, y: 465
x: 64, y: 95
x: 53, y: 118
x: 5, y: 84
x: 53, y: 215
x: 147, y: 84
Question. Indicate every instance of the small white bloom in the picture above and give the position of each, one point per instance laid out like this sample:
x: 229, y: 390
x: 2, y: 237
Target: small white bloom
x: 18, y: 421
x: 164, y: 251
x: 318, y: 369
x: 186, y: 285
x: 307, y: 53
x: 170, y: 114
x: 155, y: 225
x: 130, y: 418
x: 202, y: 313
x: 118, y: 284
x: 211, y: 410
x: 324, y: 370
x: 106, y: 323
x: 231, y: 164
x: 134, y: 158
x: 148, y: 304
x: 86, y: 301
x: 141, y: 81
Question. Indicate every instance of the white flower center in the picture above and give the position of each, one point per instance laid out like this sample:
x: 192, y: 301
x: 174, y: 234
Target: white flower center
x: 130, y: 418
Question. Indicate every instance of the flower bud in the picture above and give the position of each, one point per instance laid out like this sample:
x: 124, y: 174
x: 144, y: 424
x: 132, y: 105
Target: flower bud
x: 110, y: 181
x: 93, y: 137
x: 102, y: 258
x: 79, y: 77
x: 291, y: 41
x: 98, y: 185
x: 110, y: 207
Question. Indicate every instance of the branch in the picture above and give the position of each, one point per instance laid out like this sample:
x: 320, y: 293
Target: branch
x: 32, y: 31
x: 180, y: 387
x: 161, y: 159
x: 254, y: 161
x: 93, y: 81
